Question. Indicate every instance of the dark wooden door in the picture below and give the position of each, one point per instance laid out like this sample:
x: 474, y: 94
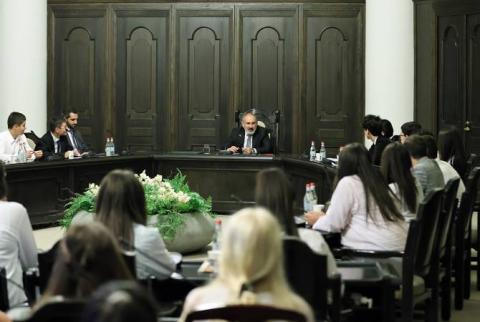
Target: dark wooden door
x: 451, y: 71
x: 333, y: 88
x: 204, y: 77
x: 79, y: 69
x: 142, y: 79
x: 269, y: 65
x: 473, y: 84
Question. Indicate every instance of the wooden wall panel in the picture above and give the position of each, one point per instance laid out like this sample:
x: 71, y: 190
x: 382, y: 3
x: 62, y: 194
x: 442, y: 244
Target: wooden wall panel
x: 142, y: 90
x: 269, y: 65
x: 79, y: 69
x: 204, y: 78
x: 333, y: 75
x: 473, y: 79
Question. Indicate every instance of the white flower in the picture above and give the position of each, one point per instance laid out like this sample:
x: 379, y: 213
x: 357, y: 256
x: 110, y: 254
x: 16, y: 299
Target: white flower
x: 183, y: 197
x: 93, y: 188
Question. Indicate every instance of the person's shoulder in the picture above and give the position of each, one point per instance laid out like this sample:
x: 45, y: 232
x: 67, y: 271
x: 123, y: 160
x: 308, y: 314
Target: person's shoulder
x: 145, y: 232
x: 350, y: 180
x: 4, y: 135
x: 16, y: 209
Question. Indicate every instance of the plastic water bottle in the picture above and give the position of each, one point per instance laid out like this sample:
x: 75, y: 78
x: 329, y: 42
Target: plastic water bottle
x: 323, y: 151
x: 312, y: 151
x: 313, y: 195
x: 107, y: 148
x: 112, y: 147
x: 307, y: 205
x: 216, y: 241
x: 21, y: 157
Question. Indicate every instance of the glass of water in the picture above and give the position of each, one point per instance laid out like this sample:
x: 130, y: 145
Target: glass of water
x: 206, y: 149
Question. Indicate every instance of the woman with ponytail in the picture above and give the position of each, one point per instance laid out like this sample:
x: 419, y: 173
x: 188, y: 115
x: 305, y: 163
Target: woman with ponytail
x: 250, y: 267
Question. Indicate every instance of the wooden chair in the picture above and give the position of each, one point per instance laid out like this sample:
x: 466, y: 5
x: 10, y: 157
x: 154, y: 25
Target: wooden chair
x: 418, y: 285
x: 463, y: 218
x: 59, y: 310
x: 4, y: 302
x: 45, y: 265
x: 307, y: 275
x: 246, y: 313
x: 129, y: 258
x: 443, y: 253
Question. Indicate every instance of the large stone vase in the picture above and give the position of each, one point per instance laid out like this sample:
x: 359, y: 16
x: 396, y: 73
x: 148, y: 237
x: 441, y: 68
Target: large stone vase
x: 196, y: 233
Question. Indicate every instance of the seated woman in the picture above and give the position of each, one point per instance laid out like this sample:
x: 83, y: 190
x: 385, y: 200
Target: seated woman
x: 250, y: 268
x: 17, y: 245
x: 88, y: 257
x: 451, y: 150
x: 274, y: 192
x: 362, y: 207
x: 121, y: 207
x: 396, y: 168
x: 120, y: 301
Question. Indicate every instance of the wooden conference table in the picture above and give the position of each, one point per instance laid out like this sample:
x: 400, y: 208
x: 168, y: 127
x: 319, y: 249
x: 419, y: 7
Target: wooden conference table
x: 45, y: 187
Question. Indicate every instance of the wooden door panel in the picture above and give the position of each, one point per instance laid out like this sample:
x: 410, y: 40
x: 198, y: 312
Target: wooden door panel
x: 204, y: 81
x: 333, y: 99
x: 269, y: 65
x: 473, y: 86
x: 79, y: 69
x: 142, y: 89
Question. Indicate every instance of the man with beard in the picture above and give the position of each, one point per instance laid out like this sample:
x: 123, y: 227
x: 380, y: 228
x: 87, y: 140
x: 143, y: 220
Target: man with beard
x: 73, y: 135
x: 249, y: 138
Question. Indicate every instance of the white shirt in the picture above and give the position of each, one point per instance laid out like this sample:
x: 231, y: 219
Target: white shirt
x: 449, y: 173
x: 18, y: 250
x: 348, y: 214
x: 9, y: 147
x: 55, y: 142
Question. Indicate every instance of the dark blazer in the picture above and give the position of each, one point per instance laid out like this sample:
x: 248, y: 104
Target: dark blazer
x: 79, y: 142
x: 376, y: 149
x: 47, y: 145
x: 260, y: 140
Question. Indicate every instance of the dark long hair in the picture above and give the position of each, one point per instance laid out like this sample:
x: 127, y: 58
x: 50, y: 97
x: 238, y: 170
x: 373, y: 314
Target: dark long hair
x: 121, y: 203
x: 87, y: 257
x: 450, y: 147
x: 354, y: 160
x: 396, y: 167
x: 274, y: 192
x: 3, y: 181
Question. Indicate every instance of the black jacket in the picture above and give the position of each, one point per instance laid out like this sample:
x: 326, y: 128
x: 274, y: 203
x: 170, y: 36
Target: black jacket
x: 47, y: 145
x: 79, y: 142
x: 376, y: 149
x: 260, y: 140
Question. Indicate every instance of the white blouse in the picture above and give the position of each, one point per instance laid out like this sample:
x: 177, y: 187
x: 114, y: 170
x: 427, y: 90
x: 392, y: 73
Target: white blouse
x: 347, y: 214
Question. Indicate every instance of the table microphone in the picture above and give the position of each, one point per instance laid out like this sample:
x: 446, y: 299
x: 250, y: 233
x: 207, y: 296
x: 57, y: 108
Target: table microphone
x: 131, y: 246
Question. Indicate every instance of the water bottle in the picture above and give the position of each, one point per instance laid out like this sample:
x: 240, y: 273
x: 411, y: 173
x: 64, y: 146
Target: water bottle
x: 307, y: 205
x: 323, y: 151
x: 216, y: 240
x: 312, y: 151
x: 112, y: 147
x: 107, y: 148
x: 21, y: 156
x: 313, y: 195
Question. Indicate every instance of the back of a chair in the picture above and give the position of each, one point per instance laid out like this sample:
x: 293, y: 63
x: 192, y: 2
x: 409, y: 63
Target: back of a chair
x: 246, y: 313
x: 472, y: 162
x: 129, y: 258
x: 45, y: 265
x: 168, y: 290
x: 428, y: 216
x: 306, y: 273
x: 60, y: 310
x: 446, y: 215
x: 4, y: 302
x: 464, y: 214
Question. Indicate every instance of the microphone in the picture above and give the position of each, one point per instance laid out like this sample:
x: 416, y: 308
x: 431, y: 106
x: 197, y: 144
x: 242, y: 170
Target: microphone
x: 131, y: 246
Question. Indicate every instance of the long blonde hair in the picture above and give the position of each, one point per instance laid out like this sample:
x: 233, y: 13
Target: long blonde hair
x: 251, y: 259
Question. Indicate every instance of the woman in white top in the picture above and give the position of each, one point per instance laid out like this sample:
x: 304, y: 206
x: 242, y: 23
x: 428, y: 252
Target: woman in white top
x: 250, y: 268
x: 274, y: 192
x: 121, y: 207
x: 17, y: 245
x: 362, y: 207
x: 396, y: 168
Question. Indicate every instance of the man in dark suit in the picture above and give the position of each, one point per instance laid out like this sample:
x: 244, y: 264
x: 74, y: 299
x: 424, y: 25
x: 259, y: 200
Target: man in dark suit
x: 73, y: 135
x: 250, y: 138
x: 372, y: 127
x: 54, y: 143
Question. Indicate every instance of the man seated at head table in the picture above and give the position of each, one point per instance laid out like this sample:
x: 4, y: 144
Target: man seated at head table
x: 73, y: 135
x: 13, y: 143
x: 54, y: 143
x: 249, y: 138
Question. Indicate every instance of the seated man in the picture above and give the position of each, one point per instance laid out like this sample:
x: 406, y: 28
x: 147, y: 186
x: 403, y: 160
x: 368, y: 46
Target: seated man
x: 13, y: 143
x: 73, y: 135
x: 54, y: 143
x: 425, y: 170
x: 372, y: 127
x: 250, y: 138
